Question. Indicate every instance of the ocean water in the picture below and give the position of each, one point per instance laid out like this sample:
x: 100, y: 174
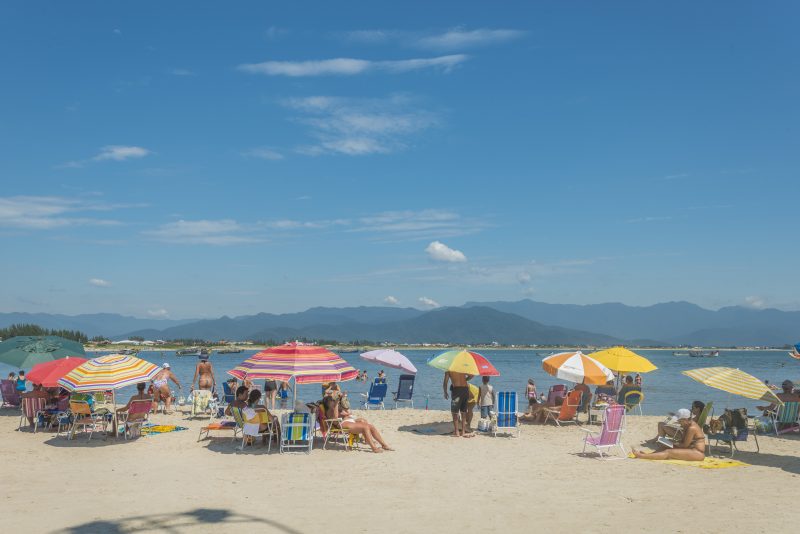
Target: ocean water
x: 666, y: 389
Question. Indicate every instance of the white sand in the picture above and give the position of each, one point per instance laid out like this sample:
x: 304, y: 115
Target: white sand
x: 431, y: 483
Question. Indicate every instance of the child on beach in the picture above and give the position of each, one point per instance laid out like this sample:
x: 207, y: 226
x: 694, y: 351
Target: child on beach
x: 530, y: 392
x: 21, y: 387
x: 486, y: 396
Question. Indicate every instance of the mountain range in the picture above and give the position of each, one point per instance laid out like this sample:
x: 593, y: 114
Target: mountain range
x: 521, y: 322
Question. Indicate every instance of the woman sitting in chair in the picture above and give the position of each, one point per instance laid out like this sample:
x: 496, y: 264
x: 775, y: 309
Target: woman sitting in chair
x: 355, y: 426
x: 258, y: 413
x: 692, y: 448
x: 140, y: 396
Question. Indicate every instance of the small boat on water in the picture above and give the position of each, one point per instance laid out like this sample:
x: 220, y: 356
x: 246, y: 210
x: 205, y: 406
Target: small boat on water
x: 229, y: 350
x: 128, y: 352
x: 795, y: 352
x: 192, y: 351
x: 696, y: 353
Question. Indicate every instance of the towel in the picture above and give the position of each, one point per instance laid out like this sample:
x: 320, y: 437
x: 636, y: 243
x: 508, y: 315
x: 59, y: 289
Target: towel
x: 707, y: 463
x: 200, y: 401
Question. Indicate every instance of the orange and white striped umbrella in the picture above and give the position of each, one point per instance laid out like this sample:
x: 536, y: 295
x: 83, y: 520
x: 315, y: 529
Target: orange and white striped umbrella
x: 577, y: 367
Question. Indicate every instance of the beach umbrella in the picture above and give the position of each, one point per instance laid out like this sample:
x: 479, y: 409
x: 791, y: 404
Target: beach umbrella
x: 307, y: 364
x: 734, y: 381
x: 577, y: 367
x: 48, y: 373
x: 26, y: 351
x: 463, y: 361
x: 390, y: 358
x: 108, y: 373
x: 623, y: 360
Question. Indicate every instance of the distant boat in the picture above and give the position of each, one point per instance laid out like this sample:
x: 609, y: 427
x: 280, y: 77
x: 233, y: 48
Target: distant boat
x: 128, y: 352
x: 795, y: 352
x: 350, y: 351
x: 193, y: 351
x: 229, y: 350
x: 696, y: 353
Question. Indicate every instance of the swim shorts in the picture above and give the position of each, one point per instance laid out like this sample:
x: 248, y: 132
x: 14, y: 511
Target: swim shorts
x: 460, y: 396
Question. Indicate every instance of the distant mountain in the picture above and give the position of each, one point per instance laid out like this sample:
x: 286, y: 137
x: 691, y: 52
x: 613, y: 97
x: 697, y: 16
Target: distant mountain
x: 673, y: 322
x: 448, y: 325
x: 95, y: 324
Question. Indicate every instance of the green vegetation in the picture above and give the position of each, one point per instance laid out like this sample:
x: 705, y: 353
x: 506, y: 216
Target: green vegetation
x: 36, y: 330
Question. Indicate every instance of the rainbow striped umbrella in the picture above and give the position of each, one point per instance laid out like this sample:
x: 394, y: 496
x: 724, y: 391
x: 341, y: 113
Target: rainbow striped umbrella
x: 577, y: 367
x: 109, y: 372
x: 734, y: 381
x: 307, y: 364
x: 463, y: 361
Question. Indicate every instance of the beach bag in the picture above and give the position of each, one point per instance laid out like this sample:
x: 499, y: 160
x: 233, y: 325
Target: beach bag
x: 483, y: 425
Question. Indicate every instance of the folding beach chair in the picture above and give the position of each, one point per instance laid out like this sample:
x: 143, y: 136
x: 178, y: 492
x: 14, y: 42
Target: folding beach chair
x: 200, y: 400
x: 377, y: 392
x: 336, y: 433
x: 731, y: 435
x: 787, y: 415
x: 568, y: 412
x: 8, y: 390
x: 140, y: 409
x: 633, y: 400
x: 251, y: 429
x: 558, y: 391
x: 507, y: 420
x: 405, y: 389
x: 297, y: 432
x: 32, y: 407
x: 82, y: 416
x: 227, y: 426
x: 610, y: 435
x: 702, y: 420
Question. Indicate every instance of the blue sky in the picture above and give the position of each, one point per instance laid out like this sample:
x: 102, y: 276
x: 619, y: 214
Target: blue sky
x: 190, y: 159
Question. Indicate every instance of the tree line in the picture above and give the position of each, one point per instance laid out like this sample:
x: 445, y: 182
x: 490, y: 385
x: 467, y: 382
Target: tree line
x: 36, y: 330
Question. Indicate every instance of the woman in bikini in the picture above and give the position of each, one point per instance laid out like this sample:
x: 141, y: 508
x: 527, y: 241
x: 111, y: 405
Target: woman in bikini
x: 161, y: 388
x: 692, y: 448
x: 355, y: 426
x: 204, y: 374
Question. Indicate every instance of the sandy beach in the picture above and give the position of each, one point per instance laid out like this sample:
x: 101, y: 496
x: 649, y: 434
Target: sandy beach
x: 431, y: 483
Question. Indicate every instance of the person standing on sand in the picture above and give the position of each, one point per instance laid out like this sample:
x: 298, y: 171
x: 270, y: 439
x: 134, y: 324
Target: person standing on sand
x: 204, y: 374
x: 161, y: 387
x: 458, y: 403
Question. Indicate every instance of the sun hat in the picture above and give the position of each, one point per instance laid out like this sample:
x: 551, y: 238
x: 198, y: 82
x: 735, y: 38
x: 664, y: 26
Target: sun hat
x: 683, y: 413
x: 165, y: 366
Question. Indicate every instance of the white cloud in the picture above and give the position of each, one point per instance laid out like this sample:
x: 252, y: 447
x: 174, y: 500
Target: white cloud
x: 182, y: 72
x: 117, y: 31
x: 420, y: 224
x: 350, y: 66
x: 203, y: 232
x: 42, y: 213
x: 648, y: 219
x: 391, y: 301
x: 459, y: 38
x: 428, y: 302
x: 120, y: 153
x: 756, y: 302
x: 264, y: 153
x: 159, y: 313
x: 357, y: 127
x: 438, y: 251
x: 524, y: 277
x: 372, y: 36
x: 99, y: 282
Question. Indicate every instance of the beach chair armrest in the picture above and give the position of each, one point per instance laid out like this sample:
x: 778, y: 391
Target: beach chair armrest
x: 588, y: 430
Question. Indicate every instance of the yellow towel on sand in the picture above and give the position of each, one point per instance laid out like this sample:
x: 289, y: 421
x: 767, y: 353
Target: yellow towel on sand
x: 708, y: 463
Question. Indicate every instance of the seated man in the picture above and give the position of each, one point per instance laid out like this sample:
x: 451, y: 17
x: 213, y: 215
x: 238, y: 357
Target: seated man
x: 586, y: 396
x: 691, y: 448
x: 787, y: 394
x: 627, y: 388
x: 606, y: 392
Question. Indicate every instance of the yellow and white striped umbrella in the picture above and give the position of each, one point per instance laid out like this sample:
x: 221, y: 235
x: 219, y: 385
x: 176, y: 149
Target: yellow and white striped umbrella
x: 733, y: 381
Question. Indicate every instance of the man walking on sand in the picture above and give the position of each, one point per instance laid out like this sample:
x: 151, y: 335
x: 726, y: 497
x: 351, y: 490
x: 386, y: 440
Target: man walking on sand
x: 458, y: 403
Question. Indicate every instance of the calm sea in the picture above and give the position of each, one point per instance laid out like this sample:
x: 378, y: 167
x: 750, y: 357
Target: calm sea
x: 666, y: 389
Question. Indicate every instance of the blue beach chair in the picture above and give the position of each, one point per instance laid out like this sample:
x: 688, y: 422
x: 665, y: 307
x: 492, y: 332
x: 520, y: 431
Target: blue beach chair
x: 377, y: 392
x: 507, y: 420
x: 405, y: 389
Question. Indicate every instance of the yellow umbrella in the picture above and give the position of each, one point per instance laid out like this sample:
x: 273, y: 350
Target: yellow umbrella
x: 734, y: 381
x: 623, y: 360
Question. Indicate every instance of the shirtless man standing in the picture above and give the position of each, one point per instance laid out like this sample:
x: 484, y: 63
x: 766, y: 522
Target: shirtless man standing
x: 458, y: 403
x: 161, y: 387
x: 204, y: 374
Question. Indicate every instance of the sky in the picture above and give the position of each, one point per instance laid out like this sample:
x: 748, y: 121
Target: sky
x: 198, y: 159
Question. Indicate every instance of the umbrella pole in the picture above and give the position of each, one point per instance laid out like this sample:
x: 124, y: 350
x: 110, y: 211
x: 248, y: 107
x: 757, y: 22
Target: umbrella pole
x: 114, y: 413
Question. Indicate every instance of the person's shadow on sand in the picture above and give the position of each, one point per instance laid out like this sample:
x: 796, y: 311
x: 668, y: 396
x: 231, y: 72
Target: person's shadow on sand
x: 429, y: 429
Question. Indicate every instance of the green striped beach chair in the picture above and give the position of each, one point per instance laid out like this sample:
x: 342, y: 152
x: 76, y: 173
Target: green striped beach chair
x: 297, y: 432
x: 788, y: 416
